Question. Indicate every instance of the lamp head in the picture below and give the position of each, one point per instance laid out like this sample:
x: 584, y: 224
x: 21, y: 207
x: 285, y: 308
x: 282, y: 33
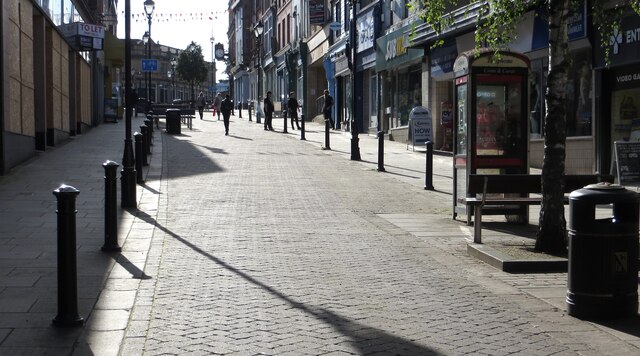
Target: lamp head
x: 211, y: 39
x: 145, y: 37
x: 173, y: 62
x: 149, y: 6
x: 259, y: 29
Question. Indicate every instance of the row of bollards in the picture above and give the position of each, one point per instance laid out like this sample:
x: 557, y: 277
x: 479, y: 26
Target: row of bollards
x: 428, y: 172
x: 68, y: 315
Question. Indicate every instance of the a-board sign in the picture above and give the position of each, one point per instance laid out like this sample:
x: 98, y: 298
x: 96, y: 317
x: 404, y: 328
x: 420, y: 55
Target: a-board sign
x: 420, y: 125
x: 628, y: 162
x: 110, y: 109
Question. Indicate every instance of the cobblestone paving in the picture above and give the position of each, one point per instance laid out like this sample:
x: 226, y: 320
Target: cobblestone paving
x: 266, y: 245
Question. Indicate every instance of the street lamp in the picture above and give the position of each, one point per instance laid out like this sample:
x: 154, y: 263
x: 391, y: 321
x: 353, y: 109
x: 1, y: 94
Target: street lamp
x: 149, y: 6
x: 173, y: 75
x: 353, y: 37
x: 258, y: 31
x: 213, y: 70
x: 147, y: 75
x: 128, y: 173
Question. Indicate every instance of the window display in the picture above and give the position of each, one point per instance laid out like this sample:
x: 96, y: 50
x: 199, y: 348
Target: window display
x: 625, y: 115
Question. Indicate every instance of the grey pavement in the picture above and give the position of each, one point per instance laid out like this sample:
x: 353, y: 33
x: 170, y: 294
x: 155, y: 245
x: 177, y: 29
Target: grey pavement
x: 259, y: 243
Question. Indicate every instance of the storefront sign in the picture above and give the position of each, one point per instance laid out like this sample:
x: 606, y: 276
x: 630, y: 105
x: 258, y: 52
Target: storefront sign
x: 393, y: 49
x: 421, y: 125
x: 443, y: 57
x: 316, y: 12
x: 624, y: 44
x: 366, y: 31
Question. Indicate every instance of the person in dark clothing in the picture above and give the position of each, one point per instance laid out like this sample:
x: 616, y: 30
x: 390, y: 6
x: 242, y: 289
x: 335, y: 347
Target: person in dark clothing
x: 292, y: 106
x: 225, y: 107
x: 327, y: 107
x: 268, y: 112
x: 200, y: 103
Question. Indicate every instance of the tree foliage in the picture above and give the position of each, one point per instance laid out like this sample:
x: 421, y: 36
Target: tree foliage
x: 191, y: 66
x: 496, y: 22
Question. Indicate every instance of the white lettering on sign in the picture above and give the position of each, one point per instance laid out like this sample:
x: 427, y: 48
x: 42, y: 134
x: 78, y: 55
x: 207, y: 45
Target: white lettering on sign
x: 627, y: 78
x: 421, y: 125
x: 633, y: 35
x: 619, y: 38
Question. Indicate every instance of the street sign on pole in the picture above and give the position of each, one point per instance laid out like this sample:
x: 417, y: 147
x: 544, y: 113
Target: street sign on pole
x: 149, y: 65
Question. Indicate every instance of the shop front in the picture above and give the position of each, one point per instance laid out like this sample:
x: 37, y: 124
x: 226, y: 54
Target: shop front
x: 335, y: 62
x: 368, y: 24
x: 400, y: 68
x: 617, y: 93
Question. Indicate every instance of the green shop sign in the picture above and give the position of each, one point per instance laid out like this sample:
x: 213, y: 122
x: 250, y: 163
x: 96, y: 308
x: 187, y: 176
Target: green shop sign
x: 393, y: 49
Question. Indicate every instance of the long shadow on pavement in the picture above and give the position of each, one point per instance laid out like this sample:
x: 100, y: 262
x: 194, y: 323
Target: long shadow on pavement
x: 366, y: 339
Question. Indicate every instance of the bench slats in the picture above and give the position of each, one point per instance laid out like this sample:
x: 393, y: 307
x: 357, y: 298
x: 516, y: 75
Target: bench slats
x: 522, y: 184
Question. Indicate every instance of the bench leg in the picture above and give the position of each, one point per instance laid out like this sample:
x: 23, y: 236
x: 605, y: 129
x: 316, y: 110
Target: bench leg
x: 477, y: 224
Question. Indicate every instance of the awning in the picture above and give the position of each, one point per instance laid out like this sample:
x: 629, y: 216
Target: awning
x: 113, y: 50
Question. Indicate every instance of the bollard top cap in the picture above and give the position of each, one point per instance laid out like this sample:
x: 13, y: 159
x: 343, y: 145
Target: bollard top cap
x: 66, y: 189
x: 109, y: 163
x: 604, y: 186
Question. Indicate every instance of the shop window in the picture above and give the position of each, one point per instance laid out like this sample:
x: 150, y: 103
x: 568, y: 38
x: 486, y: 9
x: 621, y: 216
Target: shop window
x: 579, y: 93
x: 625, y: 114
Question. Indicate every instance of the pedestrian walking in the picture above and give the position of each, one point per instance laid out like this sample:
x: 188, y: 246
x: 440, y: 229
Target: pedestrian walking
x: 292, y: 106
x: 200, y: 103
x: 216, y: 105
x: 268, y: 112
x: 225, y: 107
x: 327, y: 107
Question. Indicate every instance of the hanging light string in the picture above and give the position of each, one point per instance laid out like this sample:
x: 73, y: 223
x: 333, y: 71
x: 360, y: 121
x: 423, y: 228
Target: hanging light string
x: 179, y: 16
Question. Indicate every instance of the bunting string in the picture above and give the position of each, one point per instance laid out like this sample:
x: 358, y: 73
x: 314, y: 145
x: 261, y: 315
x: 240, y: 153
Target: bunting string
x: 179, y: 16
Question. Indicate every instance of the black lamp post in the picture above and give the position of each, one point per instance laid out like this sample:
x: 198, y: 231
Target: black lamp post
x: 353, y: 39
x: 258, y: 31
x: 149, y: 6
x: 128, y: 173
x: 213, y: 70
x: 173, y: 75
x: 147, y: 75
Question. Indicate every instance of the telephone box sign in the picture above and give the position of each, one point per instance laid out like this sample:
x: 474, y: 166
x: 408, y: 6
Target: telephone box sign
x: 421, y: 127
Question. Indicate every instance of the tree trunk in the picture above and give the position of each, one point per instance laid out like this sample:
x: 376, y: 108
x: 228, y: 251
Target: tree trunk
x: 552, y: 232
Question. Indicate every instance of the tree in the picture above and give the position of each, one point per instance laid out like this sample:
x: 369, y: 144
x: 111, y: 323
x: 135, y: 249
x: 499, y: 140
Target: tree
x: 191, y: 66
x: 496, y: 28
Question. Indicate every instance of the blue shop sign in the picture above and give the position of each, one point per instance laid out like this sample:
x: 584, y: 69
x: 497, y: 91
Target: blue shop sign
x: 576, y: 27
x: 442, y: 58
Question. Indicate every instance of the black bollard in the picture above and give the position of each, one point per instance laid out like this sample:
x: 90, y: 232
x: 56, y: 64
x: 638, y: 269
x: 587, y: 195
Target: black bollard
x: 381, y: 151
x: 139, y: 154
x: 249, y: 109
x: 302, y: 137
x: 143, y: 140
x: 149, y: 124
x: 284, y: 114
x: 327, y: 143
x: 110, y: 207
x: 145, y: 144
x: 67, y: 267
x: 428, y: 172
x: 240, y: 110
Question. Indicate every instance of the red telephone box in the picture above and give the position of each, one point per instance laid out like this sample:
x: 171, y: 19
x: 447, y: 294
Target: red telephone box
x: 490, y: 123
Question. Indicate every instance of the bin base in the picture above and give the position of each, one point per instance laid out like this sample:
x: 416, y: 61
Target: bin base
x: 602, y: 306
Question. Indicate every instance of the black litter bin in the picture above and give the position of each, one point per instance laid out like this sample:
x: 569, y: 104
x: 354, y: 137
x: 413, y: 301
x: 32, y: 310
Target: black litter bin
x: 603, y: 253
x: 173, y: 121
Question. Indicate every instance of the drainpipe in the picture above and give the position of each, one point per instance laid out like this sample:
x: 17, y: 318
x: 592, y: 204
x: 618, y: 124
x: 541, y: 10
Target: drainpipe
x: 2, y: 151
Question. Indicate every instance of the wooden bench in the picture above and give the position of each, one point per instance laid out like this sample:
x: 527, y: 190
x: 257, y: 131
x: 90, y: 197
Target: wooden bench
x: 520, y: 186
x: 160, y: 110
